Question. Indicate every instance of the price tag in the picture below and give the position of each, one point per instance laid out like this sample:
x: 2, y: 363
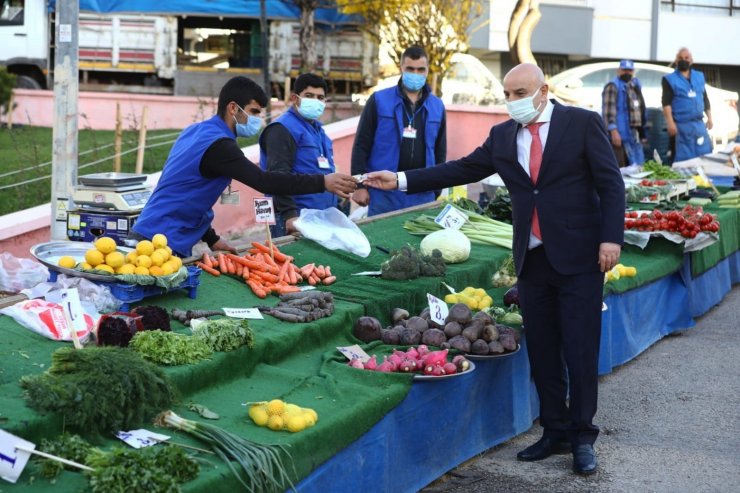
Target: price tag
x: 73, y: 313
x: 437, y: 309
x: 368, y: 273
x: 13, y: 460
x: 251, y: 313
x: 354, y: 352
x: 264, y: 212
x: 451, y: 218
x: 141, y: 438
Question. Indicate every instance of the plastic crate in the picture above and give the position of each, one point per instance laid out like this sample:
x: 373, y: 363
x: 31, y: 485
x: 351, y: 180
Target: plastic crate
x: 132, y: 293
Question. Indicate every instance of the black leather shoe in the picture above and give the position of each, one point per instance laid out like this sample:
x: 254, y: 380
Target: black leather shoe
x: 543, y: 449
x: 584, y: 459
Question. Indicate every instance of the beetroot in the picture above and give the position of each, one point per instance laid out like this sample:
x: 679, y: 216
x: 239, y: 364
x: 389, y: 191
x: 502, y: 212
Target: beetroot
x: 367, y: 329
x: 433, y: 337
x: 410, y: 337
x: 479, y: 346
x: 461, y: 343
x: 453, y: 329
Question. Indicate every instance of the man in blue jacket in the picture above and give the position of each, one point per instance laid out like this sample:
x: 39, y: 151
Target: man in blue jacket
x: 296, y: 143
x: 202, y: 163
x: 401, y: 128
x: 567, y: 198
x: 623, y: 111
x: 685, y: 102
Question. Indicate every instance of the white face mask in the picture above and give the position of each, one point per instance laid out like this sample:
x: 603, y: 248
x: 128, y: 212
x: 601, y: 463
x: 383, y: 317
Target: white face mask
x: 523, y: 110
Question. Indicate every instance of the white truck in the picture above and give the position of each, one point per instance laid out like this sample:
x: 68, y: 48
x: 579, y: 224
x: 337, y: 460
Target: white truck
x: 176, y: 54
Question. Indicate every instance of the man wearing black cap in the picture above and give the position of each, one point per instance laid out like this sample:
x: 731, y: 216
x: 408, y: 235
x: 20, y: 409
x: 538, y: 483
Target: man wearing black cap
x: 623, y: 110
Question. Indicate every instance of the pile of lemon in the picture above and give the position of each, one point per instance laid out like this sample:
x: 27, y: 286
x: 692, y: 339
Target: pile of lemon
x: 278, y: 415
x: 152, y: 258
x: 619, y: 271
x: 474, y: 298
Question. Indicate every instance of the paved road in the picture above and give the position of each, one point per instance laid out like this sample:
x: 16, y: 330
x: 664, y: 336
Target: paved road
x: 669, y: 423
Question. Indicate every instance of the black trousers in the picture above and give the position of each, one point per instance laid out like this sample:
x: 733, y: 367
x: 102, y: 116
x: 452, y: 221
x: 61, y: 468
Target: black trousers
x: 562, y: 324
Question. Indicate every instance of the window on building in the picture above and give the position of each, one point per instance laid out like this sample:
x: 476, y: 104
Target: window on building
x: 702, y: 7
x: 11, y: 13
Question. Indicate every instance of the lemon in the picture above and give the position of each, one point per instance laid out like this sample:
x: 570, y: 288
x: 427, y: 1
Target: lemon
x: 159, y: 240
x: 67, y: 262
x: 485, y: 303
x: 630, y: 271
x: 144, y: 261
x: 126, y: 269
x: 451, y: 298
x: 115, y: 259
x: 480, y: 293
x: 86, y: 266
x: 107, y: 268
x: 310, y: 416
x: 163, y: 252
x: 168, y: 268
x: 296, y: 424
x: 292, y: 410
x: 275, y: 406
x: 615, y: 273
x: 157, y: 259
x: 105, y: 244
x: 275, y: 422
x: 131, y: 257
x: 259, y: 415
x: 469, y: 291
x: 177, y: 261
x: 156, y: 270
x: 94, y: 257
x: 144, y: 247
x: 141, y: 271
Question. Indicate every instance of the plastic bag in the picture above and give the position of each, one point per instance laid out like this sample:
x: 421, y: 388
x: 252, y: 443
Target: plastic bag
x: 95, y: 298
x: 20, y: 273
x: 47, y: 319
x: 333, y: 230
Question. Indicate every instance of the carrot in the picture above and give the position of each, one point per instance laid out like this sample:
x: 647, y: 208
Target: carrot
x: 207, y: 260
x: 307, y: 270
x: 257, y: 289
x: 239, y: 269
x: 292, y: 275
x: 208, y: 269
x: 287, y: 289
x: 267, y: 276
x: 231, y: 266
x: 283, y: 273
x: 269, y: 260
x: 245, y: 272
x: 312, y: 280
x: 254, y: 265
x: 279, y: 256
x: 222, y: 264
x: 320, y: 271
x: 329, y: 279
x: 328, y: 271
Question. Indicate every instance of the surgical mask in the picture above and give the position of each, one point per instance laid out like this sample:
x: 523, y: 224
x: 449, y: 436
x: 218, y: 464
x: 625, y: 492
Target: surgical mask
x: 523, y: 110
x: 250, y: 128
x: 413, y: 82
x: 625, y: 77
x: 311, y: 109
x: 683, y: 65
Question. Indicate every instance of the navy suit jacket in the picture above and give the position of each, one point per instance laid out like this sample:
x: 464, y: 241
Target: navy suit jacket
x: 579, y: 192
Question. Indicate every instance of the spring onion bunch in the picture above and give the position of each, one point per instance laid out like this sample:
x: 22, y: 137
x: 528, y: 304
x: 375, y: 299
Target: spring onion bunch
x: 262, y: 467
x: 478, y: 228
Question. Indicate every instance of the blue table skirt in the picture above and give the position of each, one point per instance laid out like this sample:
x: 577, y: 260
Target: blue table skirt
x: 708, y: 289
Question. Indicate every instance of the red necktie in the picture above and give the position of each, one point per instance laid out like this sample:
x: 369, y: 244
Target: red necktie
x: 535, y: 161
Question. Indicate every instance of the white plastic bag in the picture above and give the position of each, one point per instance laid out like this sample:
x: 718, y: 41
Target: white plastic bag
x: 333, y: 230
x: 47, y: 319
x: 20, y: 273
x: 95, y: 298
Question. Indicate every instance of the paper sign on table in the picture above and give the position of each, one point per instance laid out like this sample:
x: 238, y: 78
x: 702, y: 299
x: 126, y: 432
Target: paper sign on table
x: 437, y: 309
x: 368, y: 273
x: 73, y: 309
x: 264, y: 212
x: 12, y: 460
x: 451, y: 218
x: 354, y: 352
x: 251, y: 313
x: 733, y: 158
x: 141, y: 438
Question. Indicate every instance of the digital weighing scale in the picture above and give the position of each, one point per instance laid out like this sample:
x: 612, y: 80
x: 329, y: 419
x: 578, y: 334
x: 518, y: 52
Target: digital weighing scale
x: 108, y: 204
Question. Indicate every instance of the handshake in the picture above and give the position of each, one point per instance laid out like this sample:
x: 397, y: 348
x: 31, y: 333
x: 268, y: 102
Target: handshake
x: 344, y: 185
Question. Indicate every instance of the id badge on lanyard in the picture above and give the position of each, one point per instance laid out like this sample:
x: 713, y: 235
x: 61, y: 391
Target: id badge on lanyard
x: 692, y: 93
x: 409, y: 132
x: 323, y: 162
x: 230, y: 197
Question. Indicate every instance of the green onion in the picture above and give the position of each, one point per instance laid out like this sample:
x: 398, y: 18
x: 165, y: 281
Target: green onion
x: 262, y: 466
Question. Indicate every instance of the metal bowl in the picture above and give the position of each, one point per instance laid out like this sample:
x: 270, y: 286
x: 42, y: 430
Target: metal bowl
x: 49, y: 254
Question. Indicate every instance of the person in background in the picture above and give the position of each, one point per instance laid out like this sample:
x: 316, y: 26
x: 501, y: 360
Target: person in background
x: 296, y: 143
x: 202, y: 163
x: 685, y: 102
x: 567, y: 198
x: 401, y: 128
x: 623, y: 111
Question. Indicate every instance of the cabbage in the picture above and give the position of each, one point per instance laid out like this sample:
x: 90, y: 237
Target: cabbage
x: 454, y: 245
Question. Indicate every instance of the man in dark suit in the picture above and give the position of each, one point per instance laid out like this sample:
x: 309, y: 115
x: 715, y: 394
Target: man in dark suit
x: 568, y: 216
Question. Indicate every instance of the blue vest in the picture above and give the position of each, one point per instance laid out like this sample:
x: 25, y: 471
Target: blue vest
x: 623, y: 108
x: 311, y: 142
x: 386, y: 148
x: 692, y: 139
x: 181, y: 205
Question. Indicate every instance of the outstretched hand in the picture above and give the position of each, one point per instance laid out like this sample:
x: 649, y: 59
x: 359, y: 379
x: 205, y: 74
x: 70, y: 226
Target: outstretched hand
x: 383, y: 180
x: 340, y: 184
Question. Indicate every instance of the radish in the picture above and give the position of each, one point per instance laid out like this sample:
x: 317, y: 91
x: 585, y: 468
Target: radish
x: 385, y: 367
x: 423, y: 350
x: 436, y: 358
x: 438, y: 371
x: 449, y: 368
x: 412, y: 354
x: 407, y: 366
x: 355, y: 363
x: 371, y: 364
x: 395, y: 360
x: 429, y: 370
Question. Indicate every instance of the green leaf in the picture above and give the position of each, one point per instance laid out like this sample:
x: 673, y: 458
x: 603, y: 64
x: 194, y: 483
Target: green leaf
x: 203, y: 411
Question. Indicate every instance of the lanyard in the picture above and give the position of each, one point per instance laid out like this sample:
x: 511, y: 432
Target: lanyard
x: 410, y: 116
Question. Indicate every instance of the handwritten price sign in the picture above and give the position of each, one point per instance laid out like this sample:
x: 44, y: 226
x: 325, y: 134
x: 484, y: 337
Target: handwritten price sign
x: 438, y: 310
x: 451, y: 218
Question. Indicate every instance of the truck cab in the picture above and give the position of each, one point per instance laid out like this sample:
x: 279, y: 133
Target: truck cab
x: 24, y: 41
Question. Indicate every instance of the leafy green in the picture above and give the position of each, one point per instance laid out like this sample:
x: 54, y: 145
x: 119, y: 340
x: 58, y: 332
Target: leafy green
x: 99, y: 390
x: 71, y: 447
x: 169, y: 348
x: 225, y: 334
x: 157, y: 469
x: 661, y: 171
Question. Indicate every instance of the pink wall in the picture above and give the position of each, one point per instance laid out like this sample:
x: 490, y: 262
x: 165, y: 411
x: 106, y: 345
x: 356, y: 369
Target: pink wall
x: 467, y: 128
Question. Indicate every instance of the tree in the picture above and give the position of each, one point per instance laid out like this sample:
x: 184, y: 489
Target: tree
x: 440, y: 27
x: 307, y: 40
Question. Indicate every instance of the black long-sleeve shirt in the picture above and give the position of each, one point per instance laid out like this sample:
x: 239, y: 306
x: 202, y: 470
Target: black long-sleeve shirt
x: 281, y: 149
x: 224, y: 158
x: 412, y: 154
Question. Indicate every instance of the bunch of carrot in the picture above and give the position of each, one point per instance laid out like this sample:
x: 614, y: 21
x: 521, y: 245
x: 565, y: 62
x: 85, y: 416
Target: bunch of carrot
x: 266, y: 270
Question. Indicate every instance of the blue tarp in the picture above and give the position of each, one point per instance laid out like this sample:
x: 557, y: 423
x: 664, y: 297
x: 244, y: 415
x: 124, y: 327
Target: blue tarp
x: 276, y: 9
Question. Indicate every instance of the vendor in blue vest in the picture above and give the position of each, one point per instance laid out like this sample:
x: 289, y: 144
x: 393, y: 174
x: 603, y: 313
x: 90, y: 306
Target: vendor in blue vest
x: 296, y: 143
x: 202, y: 163
x: 685, y: 102
x: 401, y: 128
x: 623, y: 111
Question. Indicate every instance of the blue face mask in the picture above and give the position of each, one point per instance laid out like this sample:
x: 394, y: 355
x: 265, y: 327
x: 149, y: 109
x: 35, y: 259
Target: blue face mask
x: 311, y: 109
x: 413, y: 82
x: 250, y: 128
